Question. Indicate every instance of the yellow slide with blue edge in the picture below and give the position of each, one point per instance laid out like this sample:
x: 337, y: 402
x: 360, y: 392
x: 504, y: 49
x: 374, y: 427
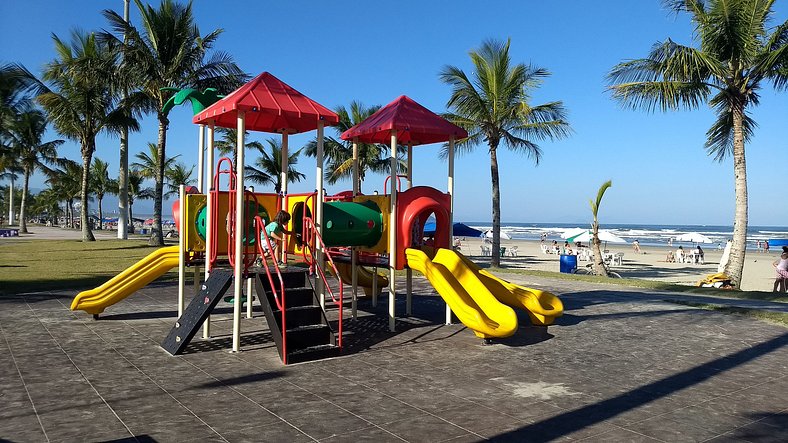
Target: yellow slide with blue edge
x: 465, y: 293
x: 363, y: 277
x: 156, y: 264
x: 543, y: 307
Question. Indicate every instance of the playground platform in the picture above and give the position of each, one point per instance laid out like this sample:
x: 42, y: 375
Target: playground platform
x: 620, y: 365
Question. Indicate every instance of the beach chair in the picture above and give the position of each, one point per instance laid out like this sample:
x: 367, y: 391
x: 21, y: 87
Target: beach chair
x: 513, y: 251
x: 544, y: 249
x: 618, y: 258
x: 486, y: 250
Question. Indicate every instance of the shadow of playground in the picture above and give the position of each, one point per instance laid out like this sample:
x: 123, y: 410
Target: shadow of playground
x: 573, y: 421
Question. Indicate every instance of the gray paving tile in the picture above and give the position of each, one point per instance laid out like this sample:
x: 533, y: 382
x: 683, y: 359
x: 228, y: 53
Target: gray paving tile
x: 370, y: 434
x: 424, y: 428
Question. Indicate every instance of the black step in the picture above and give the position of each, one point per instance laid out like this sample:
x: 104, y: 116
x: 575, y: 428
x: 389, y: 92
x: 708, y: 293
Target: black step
x: 301, y: 337
x: 292, y: 277
x: 313, y: 353
x: 301, y: 316
x: 198, y: 310
x: 294, y: 297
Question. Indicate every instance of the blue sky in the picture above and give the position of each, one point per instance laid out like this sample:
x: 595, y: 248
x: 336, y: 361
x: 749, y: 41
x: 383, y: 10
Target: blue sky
x: 375, y: 51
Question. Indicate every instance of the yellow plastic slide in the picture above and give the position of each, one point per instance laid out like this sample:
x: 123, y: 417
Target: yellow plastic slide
x: 465, y: 293
x: 127, y: 282
x: 363, y: 277
x: 543, y: 307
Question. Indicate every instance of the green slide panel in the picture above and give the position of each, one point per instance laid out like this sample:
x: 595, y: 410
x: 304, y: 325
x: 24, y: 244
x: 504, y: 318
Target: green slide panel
x: 347, y: 223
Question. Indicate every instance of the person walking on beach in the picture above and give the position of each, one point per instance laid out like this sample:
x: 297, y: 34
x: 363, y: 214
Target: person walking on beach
x: 636, y: 246
x: 781, y: 268
x: 766, y: 246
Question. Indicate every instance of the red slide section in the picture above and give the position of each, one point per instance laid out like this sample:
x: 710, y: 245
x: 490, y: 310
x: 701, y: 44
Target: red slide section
x: 414, y: 206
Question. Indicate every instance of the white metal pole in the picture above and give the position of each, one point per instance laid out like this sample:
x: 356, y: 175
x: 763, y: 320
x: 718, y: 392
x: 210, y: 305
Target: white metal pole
x: 409, y: 272
x: 11, y: 204
x: 123, y: 170
x: 283, y: 181
x: 375, y: 287
x: 181, y: 252
x: 353, y: 250
x: 209, y: 215
x: 201, y: 159
x: 249, y: 297
x: 321, y: 290
x: 239, y: 229
x: 393, y: 231
x: 451, y: 209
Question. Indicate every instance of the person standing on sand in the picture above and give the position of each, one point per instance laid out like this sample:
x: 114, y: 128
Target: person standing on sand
x: 766, y: 246
x: 781, y: 268
x: 636, y: 246
x: 758, y: 245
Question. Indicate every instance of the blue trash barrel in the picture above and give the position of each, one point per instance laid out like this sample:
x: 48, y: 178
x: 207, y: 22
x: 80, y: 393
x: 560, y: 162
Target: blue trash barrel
x: 568, y: 264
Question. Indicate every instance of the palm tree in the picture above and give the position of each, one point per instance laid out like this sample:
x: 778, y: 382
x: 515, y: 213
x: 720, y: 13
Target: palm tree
x: 493, y: 107
x: 101, y: 184
x: 15, y: 84
x: 25, y: 142
x: 82, y: 102
x: 137, y: 192
x: 9, y: 170
x: 268, y: 167
x: 170, y: 53
x: 48, y: 202
x: 227, y: 143
x: 147, y: 164
x: 178, y: 175
x: 66, y: 183
x: 339, y: 154
x: 599, y: 263
x: 735, y: 56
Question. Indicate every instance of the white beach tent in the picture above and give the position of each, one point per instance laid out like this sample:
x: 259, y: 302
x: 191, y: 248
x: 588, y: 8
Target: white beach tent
x: 693, y: 237
x: 504, y: 235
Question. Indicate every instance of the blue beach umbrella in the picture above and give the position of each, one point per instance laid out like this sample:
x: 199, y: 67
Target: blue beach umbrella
x: 460, y: 230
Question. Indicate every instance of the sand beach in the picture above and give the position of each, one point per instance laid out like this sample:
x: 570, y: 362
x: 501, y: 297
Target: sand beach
x: 650, y: 264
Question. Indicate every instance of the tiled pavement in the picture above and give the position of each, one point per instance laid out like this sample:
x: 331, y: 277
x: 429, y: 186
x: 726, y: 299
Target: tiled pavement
x: 621, y: 365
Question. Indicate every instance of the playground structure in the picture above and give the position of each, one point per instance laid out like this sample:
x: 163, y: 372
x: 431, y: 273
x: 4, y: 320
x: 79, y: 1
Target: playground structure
x: 222, y: 229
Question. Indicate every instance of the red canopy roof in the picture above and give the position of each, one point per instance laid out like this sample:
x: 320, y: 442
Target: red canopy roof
x: 270, y: 105
x: 414, y: 123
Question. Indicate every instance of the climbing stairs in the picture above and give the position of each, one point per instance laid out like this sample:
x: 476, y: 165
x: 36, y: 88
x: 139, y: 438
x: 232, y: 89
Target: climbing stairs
x: 309, y: 335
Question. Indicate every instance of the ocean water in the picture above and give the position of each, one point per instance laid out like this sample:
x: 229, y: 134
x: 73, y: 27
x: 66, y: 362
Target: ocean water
x: 651, y: 235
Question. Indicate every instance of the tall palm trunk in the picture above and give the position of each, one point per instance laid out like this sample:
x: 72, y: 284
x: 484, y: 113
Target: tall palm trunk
x: 157, y: 239
x: 70, y: 221
x: 599, y: 261
x: 495, y: 259
x: 101, y: 213
x: 23, y: 202
x: 87, y: 156
x: 131, y: 212
x: 735, y: 266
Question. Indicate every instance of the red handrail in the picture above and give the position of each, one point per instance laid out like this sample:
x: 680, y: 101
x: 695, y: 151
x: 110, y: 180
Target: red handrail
x: 304, y: 232
x: 399, y: 183
x: 213, y: 224
x: 309, y: 223
x: 280, y: 302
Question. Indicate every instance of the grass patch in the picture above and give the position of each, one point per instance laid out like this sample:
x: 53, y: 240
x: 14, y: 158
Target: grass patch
x: 41, y: 265
x: 780, y: 318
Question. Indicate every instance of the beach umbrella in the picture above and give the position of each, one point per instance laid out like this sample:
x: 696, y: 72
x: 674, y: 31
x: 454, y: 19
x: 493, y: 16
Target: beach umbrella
x: 605, y: 236
x: 460, y: 230
x: 693, y: 237
x: 489, y: 234
x: 569, y: 233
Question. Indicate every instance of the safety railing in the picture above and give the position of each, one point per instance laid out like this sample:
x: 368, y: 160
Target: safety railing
x: 248, y: 258
x: 213, y: 224
x: 306, y: 246
x: 279, y: 296
x: 315, y: 238
x: 399, y: 183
